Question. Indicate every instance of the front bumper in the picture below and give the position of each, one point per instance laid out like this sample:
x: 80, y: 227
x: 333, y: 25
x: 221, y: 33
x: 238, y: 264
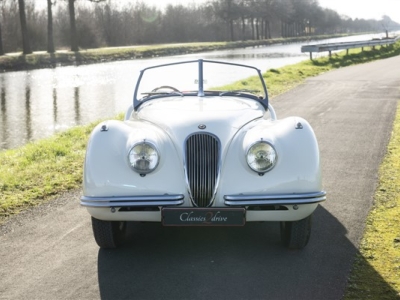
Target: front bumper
x: 133, y: 201
x: 295, y: 206
x: 278, y: 199
x: 230, y: 200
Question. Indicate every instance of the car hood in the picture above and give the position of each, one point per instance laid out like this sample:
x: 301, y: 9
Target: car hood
x: 182, y: 116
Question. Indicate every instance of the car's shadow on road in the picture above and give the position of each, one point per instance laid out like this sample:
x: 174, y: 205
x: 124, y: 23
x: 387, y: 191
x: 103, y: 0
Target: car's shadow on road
x: 228, y: 263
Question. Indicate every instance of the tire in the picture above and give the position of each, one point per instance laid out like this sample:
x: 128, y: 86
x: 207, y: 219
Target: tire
x: 108, y: 234
x: 296, y: 234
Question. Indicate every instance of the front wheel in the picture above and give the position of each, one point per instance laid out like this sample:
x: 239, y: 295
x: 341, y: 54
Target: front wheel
x: 295, y: 234
x: 108, y: 234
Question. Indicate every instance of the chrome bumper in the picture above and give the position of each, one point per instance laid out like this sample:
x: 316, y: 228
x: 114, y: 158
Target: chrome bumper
x: 230, y: 200
x: 279, y: 199
x: 156, y: 200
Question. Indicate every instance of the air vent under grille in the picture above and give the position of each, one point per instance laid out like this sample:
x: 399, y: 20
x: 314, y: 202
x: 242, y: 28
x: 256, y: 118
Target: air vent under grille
x: 202, y: 159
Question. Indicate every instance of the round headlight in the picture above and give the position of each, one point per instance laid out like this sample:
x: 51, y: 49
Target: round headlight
x: 261, y: 157
x: 143, y: 157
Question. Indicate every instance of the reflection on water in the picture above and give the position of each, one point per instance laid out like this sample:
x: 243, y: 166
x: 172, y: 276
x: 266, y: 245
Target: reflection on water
x: 28, y: 112
x: 3, y: 110
x: 55, y: 105
x: 36, y: 104
x: 76, y: 105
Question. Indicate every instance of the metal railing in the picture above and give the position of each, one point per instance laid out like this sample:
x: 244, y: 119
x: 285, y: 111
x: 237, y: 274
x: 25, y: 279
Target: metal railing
x: 347, y: 45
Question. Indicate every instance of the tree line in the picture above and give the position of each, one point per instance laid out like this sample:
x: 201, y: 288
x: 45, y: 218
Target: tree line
x: 28, y: 25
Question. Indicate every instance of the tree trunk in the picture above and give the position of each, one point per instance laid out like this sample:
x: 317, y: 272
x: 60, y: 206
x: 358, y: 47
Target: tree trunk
x: 262, y: 34
x: 26, y: 46
x: 73, y: 34
x: 257, y: 29
x: 50, y: 41
x: 252, y: 29
x: 285, y: 28
x: 265, y: 29
x: 1, y: 42
x: 243, y: 29
x: 231, y: 30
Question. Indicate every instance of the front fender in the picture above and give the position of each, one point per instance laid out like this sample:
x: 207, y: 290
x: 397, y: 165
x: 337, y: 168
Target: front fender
x: 107, y: 172
x: 297, y: 169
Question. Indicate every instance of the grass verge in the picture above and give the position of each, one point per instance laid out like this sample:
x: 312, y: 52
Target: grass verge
x: 34, y: 173
x: 380, y: 246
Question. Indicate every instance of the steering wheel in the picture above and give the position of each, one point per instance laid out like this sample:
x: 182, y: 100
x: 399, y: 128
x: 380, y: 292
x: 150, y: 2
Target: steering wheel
x: 166, y: 87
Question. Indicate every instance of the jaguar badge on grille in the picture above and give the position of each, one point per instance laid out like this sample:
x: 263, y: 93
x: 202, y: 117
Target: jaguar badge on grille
x: 202, y: 126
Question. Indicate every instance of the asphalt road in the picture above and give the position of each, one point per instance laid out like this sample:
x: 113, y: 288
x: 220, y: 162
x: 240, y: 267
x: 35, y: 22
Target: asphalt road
x: 49, y: 252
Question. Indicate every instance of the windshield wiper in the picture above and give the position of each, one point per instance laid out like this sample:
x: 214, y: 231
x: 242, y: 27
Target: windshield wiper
x: 162, y: 93
x: 242, y: 91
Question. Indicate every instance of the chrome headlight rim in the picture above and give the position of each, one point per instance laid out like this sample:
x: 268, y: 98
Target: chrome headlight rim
x: 273, y: 164
x: 132, y: 163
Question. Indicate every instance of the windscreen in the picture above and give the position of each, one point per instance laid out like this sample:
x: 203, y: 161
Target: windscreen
x: 184, y: 78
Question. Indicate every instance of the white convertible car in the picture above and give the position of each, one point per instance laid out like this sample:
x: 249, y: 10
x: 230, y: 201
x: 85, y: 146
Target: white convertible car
x: 191, y: 154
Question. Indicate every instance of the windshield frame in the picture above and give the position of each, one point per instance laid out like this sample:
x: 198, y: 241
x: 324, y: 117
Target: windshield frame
x: 200, y: 92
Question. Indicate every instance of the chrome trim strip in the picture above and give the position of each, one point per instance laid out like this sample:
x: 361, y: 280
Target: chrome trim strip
x: 201, y: 79
x: 124, y: 201
x: 278, y: 199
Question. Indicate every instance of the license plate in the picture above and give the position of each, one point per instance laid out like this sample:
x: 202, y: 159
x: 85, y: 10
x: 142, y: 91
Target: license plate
x: 203, y: 216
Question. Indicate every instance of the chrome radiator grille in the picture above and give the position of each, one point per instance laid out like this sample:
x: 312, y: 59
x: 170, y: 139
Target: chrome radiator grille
x: 202, y: 159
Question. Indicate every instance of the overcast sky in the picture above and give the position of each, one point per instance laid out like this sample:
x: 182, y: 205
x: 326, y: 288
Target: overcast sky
x: 362, y: 9
x: 366, y: 9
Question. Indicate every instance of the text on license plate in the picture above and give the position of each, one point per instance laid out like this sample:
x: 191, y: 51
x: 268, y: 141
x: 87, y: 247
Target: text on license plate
x: 203, y: 216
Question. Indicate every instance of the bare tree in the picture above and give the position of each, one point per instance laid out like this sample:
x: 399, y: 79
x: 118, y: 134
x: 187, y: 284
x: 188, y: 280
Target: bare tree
x: 1, y: 43
x: 1, y: 38
x: 50, y: 40
x: 386, y: 22
x: 26, y: 46
x: 74, y: 36
x: 137, y: 22
x: 227, y: 10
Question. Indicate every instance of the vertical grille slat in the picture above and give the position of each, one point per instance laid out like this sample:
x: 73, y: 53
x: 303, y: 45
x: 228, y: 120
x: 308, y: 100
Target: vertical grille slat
x: 202, y: 153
